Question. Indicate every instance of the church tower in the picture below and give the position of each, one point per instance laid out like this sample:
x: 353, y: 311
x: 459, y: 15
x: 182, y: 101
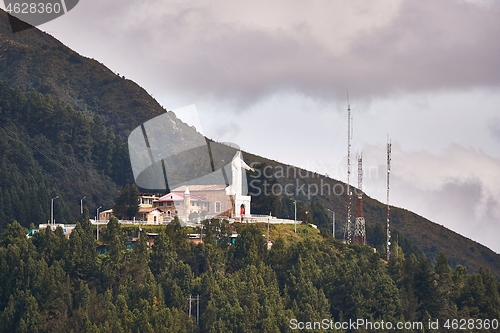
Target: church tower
x: 187, y: 202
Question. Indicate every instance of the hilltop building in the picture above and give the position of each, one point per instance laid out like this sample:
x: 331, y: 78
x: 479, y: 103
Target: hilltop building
x: 194, y: 203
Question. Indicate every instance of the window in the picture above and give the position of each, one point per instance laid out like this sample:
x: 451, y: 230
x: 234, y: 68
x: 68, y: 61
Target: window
x: 217, y: 207
x: 160, y: 203
x: 168, y: 213
x: 169, y: 203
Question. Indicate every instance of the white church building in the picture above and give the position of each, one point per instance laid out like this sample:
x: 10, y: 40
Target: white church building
x: 197, y: 202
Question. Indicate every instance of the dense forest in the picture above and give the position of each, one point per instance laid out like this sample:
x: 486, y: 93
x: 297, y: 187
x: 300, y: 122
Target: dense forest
x: 64, y: 122
x: 52, y: 284
x: 47, y: 148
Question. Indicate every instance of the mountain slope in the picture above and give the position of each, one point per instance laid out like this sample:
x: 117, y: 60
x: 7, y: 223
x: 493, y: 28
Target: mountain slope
x: 429, y: 237
x: 64, y: 121
x: 32, y: 59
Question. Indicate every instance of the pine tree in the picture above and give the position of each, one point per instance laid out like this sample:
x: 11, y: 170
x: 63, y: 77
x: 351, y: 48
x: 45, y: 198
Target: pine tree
x: 81, y: 254
x: 250, y: 247
x: 127, y: 203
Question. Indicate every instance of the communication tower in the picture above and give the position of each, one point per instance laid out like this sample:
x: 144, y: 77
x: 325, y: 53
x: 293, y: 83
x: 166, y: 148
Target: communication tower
x: 388, y: 245
x: 349, y: 136
x: 359, y: 226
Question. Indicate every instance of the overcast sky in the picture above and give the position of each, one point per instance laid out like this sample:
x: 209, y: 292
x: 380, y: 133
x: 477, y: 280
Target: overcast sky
x: 272, y: 76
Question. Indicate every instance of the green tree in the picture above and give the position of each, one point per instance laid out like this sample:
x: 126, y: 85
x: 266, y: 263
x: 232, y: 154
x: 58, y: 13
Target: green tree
x: 250, y: 247
x: 81, y: 253
x: 162, y: 253
x: 178, y: 236
x: 445, y: 288
x: 426, y: 289
x: 127, y: 202
x: 22, y: 314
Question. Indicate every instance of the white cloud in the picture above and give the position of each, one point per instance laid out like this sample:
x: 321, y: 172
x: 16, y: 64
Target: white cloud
x: 494, y: 127
x: 457, y: 188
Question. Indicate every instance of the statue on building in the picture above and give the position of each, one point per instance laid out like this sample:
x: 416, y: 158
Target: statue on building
x: 237, y: 166
x: 240, y: 201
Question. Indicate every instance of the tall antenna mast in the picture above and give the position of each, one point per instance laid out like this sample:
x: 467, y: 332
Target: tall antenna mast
x: 359, y: 226
x: 349, y: 135
x: 359, y: 157
x: 388, y: 245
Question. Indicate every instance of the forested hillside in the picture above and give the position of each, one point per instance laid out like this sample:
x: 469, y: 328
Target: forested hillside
x: 54, y: 284
x: 64, y: 122
x: 47, y: 149
x: 417, y: 234
x: 32, y: 59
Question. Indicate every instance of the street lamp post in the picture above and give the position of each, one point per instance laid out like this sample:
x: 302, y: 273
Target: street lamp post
x: 268, y: 229
x: 81, y: 205
x: 97, y: 222
x: 295, y: 216
x: 52, y: 222
x: 333, y: 222
x: 201, y: 233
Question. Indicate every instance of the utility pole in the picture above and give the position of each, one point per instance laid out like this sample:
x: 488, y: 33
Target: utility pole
x: 97, y: 222
x: 52, y: 221
x: 197, y: 299
x: 333, y: 222
x: 198, y: 310
x: 295, y: 216
x: 201, y: 233
x: 81, y: 205
x: 268, y: 220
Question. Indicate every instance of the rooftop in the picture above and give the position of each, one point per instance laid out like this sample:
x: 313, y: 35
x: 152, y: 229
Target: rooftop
x: 200, y: 188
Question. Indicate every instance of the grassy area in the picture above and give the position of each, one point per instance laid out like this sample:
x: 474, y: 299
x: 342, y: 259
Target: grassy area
x: 132, y: 230
x: 287, y: 232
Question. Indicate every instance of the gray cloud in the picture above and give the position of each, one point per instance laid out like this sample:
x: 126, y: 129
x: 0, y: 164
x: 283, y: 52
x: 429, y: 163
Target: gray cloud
x: 456, y: 205
x: 463, y: 206
x: 453, y: 202
x: 455, y: 188
x: 432, y: 45
x: 427, y: 46
x: 494, y: 127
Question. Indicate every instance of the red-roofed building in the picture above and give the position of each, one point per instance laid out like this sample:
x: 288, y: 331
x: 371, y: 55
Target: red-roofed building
x: 183, y: 204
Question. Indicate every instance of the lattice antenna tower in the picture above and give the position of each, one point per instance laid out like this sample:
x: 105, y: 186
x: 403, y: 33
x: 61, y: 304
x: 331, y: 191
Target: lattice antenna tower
x: 359, y: 157
x: 349, y: 136
x: 359, y: 226
x: 388, y: 245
